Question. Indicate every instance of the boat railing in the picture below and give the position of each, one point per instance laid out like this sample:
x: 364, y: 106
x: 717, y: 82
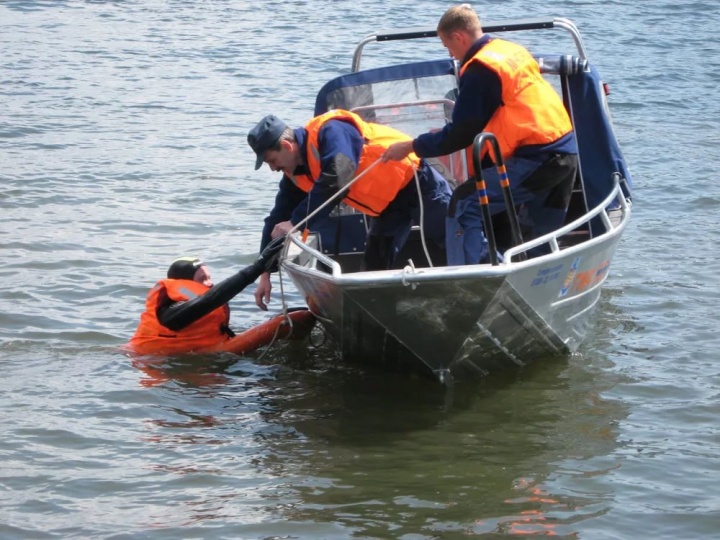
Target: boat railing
x: 481, y: 141
x: 508, y: 26
x: 314, y: 255
x: 333, y: 200
x: 308, y: 256
x: 601, y: 210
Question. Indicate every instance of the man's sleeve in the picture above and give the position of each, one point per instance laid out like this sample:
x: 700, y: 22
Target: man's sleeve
x: 479, y: 97
x: 178, y: 315
x: 288, y: 198
x: 340, y: 145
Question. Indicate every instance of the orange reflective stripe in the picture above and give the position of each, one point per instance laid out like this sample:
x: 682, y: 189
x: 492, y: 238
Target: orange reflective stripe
x: 482, y: 192
x: 531, y: 110
x: 375, y: 190
x: 502, y: 172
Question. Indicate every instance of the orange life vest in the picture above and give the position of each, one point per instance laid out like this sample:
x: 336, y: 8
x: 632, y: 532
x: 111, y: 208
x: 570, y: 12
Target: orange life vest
x: 531, y: 110
x: 303, y: 181
x: 203, y: 335
x: 376, y: 189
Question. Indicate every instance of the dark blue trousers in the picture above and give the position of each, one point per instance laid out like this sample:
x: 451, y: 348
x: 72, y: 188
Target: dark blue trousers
x: 390, y: 230
x: 542, y: 188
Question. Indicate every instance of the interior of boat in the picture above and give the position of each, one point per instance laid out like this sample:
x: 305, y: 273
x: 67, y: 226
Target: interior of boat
x: 419, y: 97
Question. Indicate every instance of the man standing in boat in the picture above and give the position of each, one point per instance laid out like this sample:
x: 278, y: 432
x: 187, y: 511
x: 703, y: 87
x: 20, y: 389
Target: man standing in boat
x: 501, y: 91
x: 325, y: 156
x: 187, y: 313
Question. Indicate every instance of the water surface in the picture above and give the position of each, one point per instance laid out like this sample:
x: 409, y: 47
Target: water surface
x: 122, y: 143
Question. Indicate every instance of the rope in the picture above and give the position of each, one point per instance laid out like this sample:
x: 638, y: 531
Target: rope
x: 326, y: 203
x: 422, y: 218
x: 285, y: 313
x: 347, y: 187
x: 340, y: 192
x: 294, y: 229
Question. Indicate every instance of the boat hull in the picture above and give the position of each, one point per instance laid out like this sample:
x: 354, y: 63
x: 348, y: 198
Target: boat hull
x: 460, y: 321
x: 465, y: 321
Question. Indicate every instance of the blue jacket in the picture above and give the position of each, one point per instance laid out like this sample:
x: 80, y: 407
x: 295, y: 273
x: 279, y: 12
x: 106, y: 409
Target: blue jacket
x: 478, y: 98
x: 336, y: 137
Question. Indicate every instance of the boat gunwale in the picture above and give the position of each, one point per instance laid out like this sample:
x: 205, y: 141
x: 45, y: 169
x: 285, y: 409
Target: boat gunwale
x: 409, y: 275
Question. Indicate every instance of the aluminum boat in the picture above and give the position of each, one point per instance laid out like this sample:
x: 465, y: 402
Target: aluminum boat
x: 467, y: 321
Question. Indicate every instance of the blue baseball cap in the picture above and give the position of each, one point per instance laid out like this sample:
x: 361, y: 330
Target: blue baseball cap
x: 264, y: 136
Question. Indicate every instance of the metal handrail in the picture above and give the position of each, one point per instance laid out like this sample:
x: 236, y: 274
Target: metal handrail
x: 552, y: 237
x: 478, y: 144
x: 333, y: 199
x: 508, y: 26
x: 296, y: 239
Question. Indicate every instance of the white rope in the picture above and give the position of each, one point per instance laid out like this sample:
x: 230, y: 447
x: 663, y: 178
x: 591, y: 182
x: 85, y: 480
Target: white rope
x: 326, y: 203
x: 422, y: 218
x: 295, y: 228
x: 358, y: 177
x: 340, y: 192
x: 285, y: 313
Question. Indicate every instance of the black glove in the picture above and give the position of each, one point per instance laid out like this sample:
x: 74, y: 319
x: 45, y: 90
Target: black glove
x: 269, y: 256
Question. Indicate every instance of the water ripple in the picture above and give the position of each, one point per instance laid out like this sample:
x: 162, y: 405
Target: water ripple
x: 123, y: 143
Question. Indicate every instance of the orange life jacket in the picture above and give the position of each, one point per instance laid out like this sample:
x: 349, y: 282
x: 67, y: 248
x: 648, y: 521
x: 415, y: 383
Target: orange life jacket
x: 203, y: 335
x: 303, y: 181
x: 375, y: 190
x: 531, y: 110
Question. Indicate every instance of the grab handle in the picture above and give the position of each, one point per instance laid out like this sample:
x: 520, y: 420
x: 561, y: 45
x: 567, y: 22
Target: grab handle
x: 478, y: 144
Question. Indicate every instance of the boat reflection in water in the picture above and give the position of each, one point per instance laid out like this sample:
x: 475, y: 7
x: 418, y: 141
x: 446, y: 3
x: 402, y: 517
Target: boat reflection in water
x: 383, y: 454
x: 335, y: 449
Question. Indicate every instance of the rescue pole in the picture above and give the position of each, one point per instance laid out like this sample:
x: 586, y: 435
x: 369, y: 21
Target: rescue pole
x: 304, y: 235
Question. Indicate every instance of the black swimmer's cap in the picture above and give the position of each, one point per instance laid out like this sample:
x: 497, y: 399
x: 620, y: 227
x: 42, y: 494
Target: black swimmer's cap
x: 184, y: 268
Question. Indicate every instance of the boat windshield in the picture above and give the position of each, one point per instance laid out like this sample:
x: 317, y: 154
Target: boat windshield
x: 413, y: 98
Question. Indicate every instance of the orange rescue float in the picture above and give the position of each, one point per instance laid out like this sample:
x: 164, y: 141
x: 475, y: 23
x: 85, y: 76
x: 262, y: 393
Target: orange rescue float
x: 300, y: 325
x: 295, y: 324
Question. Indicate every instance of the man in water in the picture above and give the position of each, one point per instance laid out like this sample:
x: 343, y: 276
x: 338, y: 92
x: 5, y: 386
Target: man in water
x: 187, y: 313
x: 502, y: 92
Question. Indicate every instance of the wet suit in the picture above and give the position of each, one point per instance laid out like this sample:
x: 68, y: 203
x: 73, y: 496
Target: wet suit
x: 178, y: 315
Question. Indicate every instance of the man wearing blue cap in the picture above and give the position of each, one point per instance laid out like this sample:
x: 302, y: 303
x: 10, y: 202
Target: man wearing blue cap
x: 325, y: 156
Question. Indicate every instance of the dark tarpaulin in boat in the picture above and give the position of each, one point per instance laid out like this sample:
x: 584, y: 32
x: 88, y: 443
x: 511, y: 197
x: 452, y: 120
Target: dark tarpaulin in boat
x: 600, y: 154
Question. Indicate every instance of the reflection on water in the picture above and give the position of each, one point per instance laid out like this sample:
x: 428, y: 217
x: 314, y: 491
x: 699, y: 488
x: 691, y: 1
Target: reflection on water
x: 381, y: 453
x: 393, y: 452
x: 124, y: 147
x: 192, y: 371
